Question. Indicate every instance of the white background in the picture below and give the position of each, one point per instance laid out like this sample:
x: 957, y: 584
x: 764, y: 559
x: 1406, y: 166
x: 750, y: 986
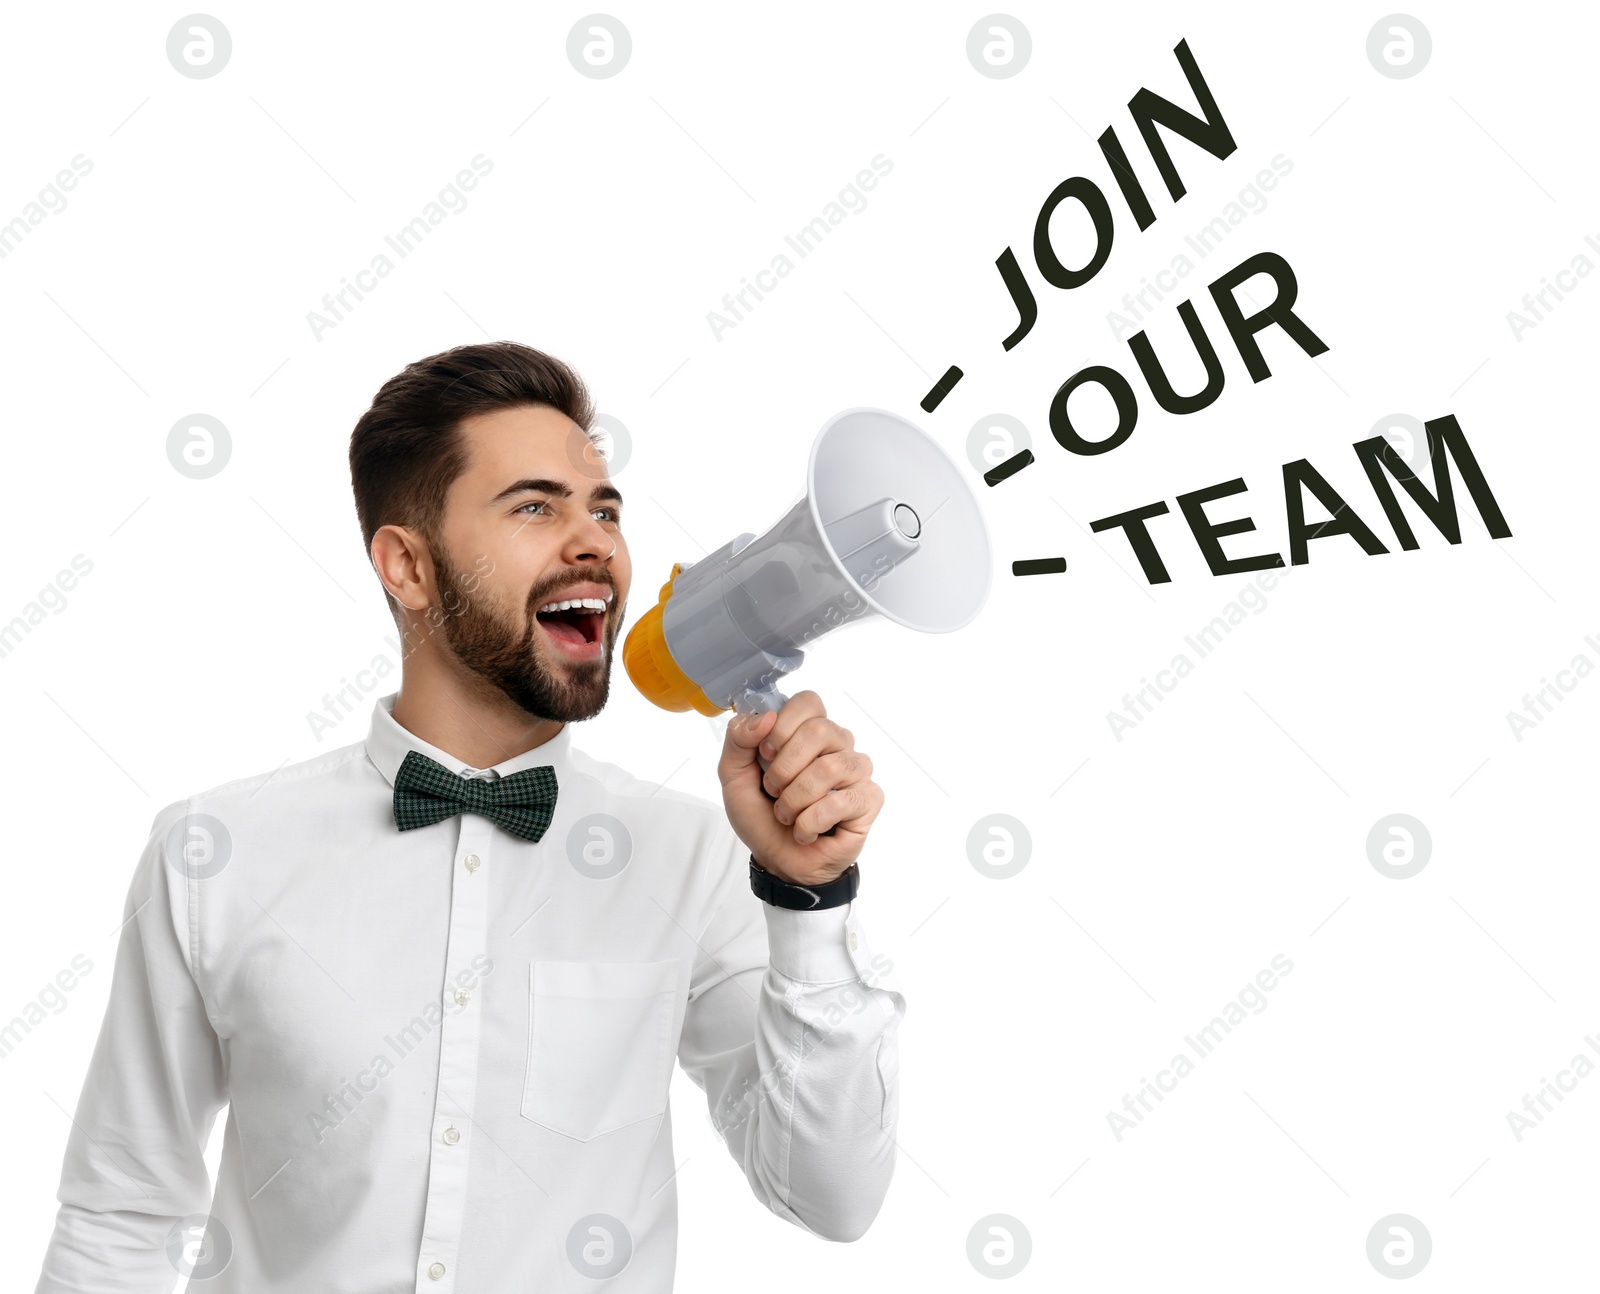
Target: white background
x: 1228, y: 827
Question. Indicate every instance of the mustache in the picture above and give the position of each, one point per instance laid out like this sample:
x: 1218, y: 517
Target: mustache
x: 540, y: 594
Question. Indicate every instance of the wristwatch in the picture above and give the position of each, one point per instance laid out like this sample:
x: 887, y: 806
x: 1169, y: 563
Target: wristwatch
x: 805, y: 898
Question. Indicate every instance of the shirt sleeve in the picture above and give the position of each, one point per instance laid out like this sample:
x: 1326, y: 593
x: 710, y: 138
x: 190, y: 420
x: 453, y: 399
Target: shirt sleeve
x: 135, y: 1158
x: 790, y: 1031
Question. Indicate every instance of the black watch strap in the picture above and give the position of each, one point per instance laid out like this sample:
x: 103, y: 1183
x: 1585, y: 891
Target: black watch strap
x: 804, y: 898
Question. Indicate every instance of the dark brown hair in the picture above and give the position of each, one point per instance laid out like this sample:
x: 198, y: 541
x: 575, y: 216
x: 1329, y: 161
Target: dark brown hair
x: 406, y: 450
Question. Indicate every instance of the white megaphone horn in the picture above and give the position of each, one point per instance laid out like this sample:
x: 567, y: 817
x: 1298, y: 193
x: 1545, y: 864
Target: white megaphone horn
x: 888, y: 526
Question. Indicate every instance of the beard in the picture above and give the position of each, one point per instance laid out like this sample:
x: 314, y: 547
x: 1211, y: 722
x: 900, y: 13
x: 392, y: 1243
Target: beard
x: 512, y: 654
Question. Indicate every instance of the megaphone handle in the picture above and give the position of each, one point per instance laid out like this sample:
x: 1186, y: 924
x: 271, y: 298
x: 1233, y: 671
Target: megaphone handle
x: 760, y: 703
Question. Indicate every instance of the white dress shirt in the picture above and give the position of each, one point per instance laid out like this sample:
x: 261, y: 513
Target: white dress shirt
x: 446, y: 1052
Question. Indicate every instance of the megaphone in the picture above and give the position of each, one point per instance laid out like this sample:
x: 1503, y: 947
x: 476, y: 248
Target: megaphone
x: 888, y: 526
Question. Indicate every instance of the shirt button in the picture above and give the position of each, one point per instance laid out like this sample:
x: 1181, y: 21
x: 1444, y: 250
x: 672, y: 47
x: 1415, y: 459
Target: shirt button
x: 853, y: 943
x: 473, y: 862
x: 451, y: 1136
x: 463, y: 997
x: 436, y: 1272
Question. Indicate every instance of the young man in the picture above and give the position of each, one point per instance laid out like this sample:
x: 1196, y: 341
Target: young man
x: 439, y: 976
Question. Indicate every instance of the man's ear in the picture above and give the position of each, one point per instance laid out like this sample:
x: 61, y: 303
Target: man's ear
x: 402, y: 560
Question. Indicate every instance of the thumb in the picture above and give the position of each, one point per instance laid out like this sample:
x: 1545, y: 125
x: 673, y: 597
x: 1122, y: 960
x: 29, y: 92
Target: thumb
x: 744, y: 733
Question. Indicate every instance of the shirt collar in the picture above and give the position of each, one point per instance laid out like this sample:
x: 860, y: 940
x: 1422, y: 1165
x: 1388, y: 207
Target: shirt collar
x: 388, y: 743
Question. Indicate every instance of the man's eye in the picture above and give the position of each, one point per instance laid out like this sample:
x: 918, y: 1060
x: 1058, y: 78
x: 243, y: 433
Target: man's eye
x: 614, y: 515
x: 537, y: 503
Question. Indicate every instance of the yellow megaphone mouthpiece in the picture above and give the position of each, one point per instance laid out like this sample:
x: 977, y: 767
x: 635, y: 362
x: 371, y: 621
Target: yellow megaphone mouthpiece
x: 649, y: 662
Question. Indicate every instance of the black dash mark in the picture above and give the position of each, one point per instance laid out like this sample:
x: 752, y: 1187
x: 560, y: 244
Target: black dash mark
x: 1039, y: 566
x: 941, y: 388
x: 1010, y: 467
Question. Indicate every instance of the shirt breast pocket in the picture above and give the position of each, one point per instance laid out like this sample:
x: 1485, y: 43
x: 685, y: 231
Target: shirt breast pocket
x: 599, y: 1044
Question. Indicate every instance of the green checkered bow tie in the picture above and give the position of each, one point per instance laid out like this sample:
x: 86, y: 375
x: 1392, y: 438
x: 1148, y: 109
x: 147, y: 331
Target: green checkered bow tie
x: 425, y: 792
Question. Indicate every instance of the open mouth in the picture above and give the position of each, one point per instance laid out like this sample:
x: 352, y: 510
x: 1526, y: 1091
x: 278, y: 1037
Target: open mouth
x: 574, y: 623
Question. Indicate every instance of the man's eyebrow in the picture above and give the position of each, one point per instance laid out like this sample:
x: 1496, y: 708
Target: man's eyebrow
x: 543, y: 485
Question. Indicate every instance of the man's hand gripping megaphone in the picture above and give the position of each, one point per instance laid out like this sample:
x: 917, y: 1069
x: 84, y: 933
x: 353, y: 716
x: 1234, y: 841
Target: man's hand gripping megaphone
x: 816, y: 781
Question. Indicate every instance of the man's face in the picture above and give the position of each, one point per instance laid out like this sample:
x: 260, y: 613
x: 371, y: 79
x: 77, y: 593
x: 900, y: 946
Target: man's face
x: 534, y: 520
